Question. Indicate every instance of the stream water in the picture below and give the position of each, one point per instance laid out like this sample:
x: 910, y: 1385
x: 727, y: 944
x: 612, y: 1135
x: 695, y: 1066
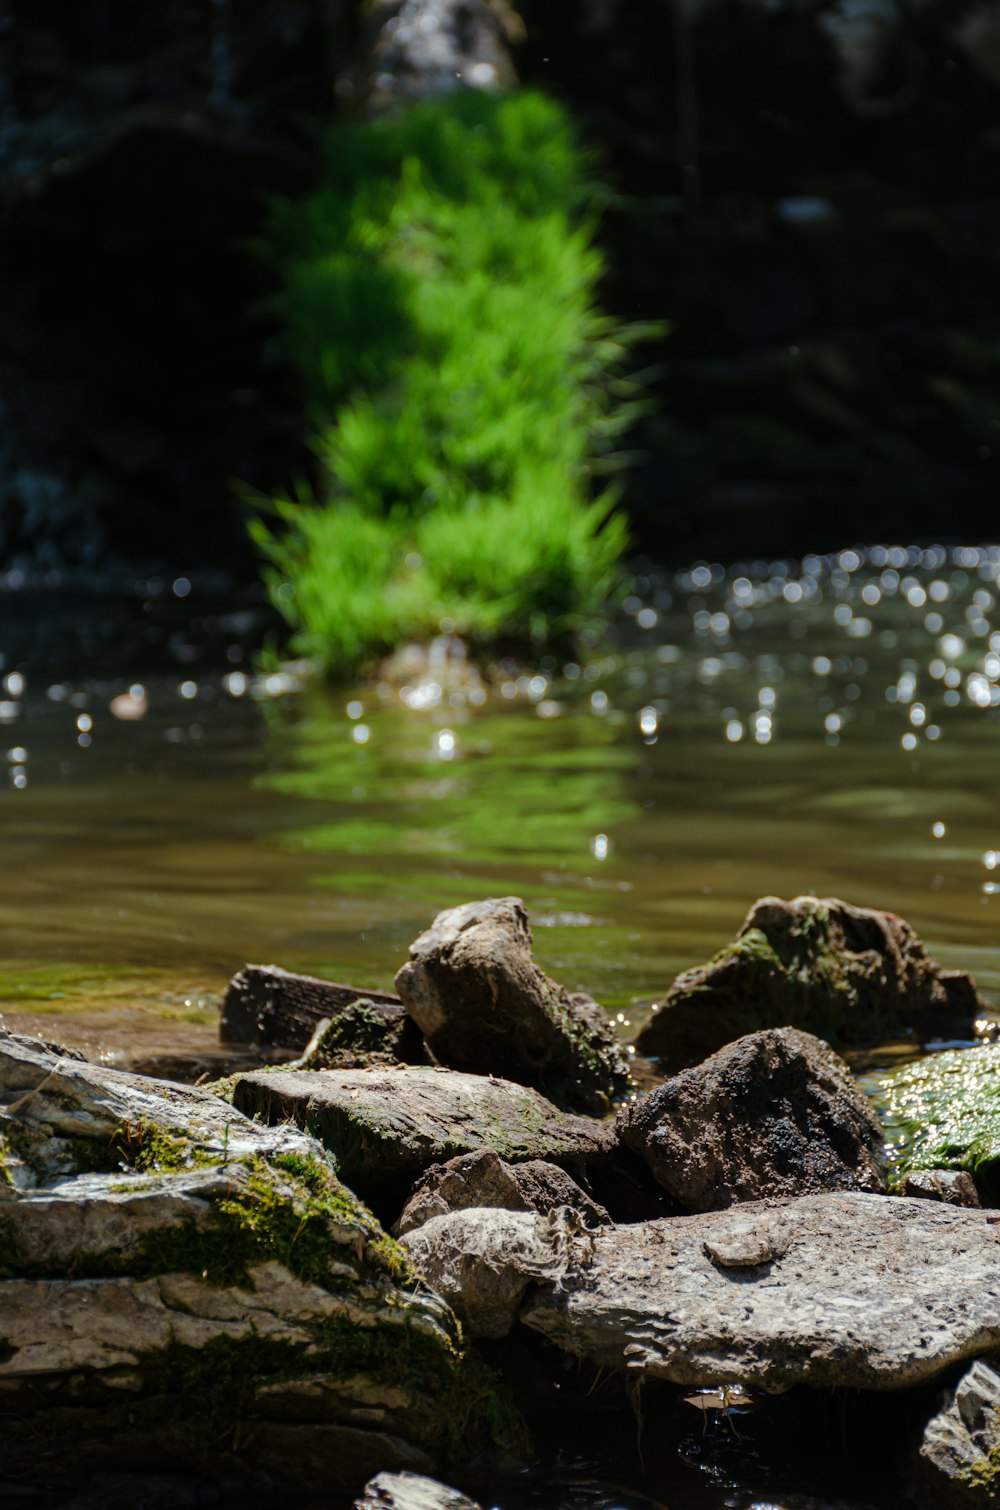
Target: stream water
x: 826, y: 726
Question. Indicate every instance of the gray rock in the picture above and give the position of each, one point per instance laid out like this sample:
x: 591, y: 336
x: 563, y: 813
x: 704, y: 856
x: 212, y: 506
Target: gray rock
x: 217, y: 1266
x: 849, y: 974
x: 362, y: 1035
x: 484, y: 1006
x: 483, y: 1179
x: 411, y: 1491
x: 419, y: 49
x: 385, y: 1127
x: 958, y: 1464
x: 483, y: 1260
x: 849, y: 1290
x: 776, y: 1113
x: 955, y: 1187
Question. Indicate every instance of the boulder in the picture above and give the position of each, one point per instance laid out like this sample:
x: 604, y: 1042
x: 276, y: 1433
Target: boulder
x: 943, y: 1112
x: 958, y: 1465
x: 385, y: 1127
x: 484, y: 1006
x: 484, y: 1179
x: 411, y: 1491
x: 776, y: 1113
x: 180, y: 1284
x: 834, y: 1290
x: 851, y: 975
x: 953, y: 1186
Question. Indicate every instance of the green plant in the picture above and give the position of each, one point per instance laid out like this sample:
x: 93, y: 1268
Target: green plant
x: 437, y: 296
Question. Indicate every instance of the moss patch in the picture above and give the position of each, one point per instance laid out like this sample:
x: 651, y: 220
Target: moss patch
x: 944, y: 1113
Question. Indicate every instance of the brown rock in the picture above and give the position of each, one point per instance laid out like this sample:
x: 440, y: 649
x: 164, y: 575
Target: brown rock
x: 483, y: 1179
x: 484, y: 1006
x: 849, y: 974
x: 270, y: 1007
x: 774, y: 1114
x: 955, y: 1187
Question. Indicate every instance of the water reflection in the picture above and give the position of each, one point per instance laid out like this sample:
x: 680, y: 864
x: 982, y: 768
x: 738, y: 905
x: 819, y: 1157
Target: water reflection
x: 825, y: 725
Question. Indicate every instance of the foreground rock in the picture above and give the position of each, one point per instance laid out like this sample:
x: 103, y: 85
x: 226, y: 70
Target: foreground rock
x: 943, y: 1112
x: 273, y: 1008
x: 959, y: 1459
x: 851, y: 1290
x: 411, y: 1491
x: 484, y: 1179
x: 484, y: 1006
x: 774, y: 1114
x: 228, y: 1302
x: 851, y: 975
x: 385, y: 1127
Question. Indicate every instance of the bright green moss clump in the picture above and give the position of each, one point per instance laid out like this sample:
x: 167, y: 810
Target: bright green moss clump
x: 437, y: 294
x: 944, y: 1113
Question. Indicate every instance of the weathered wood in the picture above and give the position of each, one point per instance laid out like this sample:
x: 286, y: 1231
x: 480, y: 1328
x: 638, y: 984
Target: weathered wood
x: 273, y: 1008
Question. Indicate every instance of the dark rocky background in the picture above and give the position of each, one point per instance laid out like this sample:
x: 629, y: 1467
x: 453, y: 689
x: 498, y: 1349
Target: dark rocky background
x: 808, y: 192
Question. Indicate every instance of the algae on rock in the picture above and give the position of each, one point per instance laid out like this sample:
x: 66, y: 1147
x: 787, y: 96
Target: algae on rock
x: 943, y: 1112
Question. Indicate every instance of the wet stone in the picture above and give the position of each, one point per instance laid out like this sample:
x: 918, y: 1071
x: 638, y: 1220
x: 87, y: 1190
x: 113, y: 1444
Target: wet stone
x: 411, y: 1491
x: 955, y: 1187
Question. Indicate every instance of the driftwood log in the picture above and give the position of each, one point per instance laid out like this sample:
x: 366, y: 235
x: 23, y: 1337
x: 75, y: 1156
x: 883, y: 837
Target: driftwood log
x: 273, y: 1008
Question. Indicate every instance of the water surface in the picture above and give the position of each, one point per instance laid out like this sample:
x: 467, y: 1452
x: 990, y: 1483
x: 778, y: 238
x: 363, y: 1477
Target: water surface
x: 827, y: 726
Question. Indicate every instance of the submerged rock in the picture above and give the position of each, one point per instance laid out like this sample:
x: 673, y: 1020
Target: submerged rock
x: 851, y: 975
x: 958, y: 1465
x: 943, y: 1112
x: 484, y: 1179
x: 835, y: 1290
x: 484, y: 1006
x: 227, y: 1301
x: 411, y: 1491
x: 385, y: 1127
x: 776, y: 1113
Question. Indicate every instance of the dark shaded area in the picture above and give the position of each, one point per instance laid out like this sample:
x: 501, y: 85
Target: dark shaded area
x: 831, y: 277
x: 828, y: 260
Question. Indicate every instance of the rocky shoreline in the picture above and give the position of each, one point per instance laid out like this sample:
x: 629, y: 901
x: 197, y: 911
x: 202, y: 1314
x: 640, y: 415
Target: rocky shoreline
x: 208, y: 1274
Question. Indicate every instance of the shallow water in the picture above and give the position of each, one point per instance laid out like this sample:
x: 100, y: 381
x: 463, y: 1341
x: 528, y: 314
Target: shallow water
x: 772, y: 729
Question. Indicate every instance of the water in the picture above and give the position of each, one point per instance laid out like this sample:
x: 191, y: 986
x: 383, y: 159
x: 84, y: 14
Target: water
x: 828, y: 727
x: 168, y: 814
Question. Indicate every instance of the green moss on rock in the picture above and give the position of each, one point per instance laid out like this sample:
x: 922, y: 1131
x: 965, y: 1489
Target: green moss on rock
x: 943, y: 1112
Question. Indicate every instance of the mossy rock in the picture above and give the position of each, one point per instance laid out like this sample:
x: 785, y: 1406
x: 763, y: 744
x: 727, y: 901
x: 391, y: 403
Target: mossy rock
x: 217, y: 1284
x: 944, y: 1113
x: 850, y: 975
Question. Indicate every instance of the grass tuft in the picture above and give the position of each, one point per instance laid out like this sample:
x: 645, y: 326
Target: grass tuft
x: 437, y: 293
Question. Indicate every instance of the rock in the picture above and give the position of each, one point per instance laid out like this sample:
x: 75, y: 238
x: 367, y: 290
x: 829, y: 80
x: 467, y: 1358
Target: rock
x: 484, y: 1265
x: 228, y: 1301
x: 943, y: 1112
x: 776, y: 1113
x: 363, y: 1035
x: 419, y: 49
x: 958, y: 1466
x: 270, y: 1007
x: 834, y: 1290
x: 851, y: 975
x: 385, y: 1127
x: 411, y: 1491
x: 953, y: 1186
x: 483, y: 1179
x: 483, y: 1006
